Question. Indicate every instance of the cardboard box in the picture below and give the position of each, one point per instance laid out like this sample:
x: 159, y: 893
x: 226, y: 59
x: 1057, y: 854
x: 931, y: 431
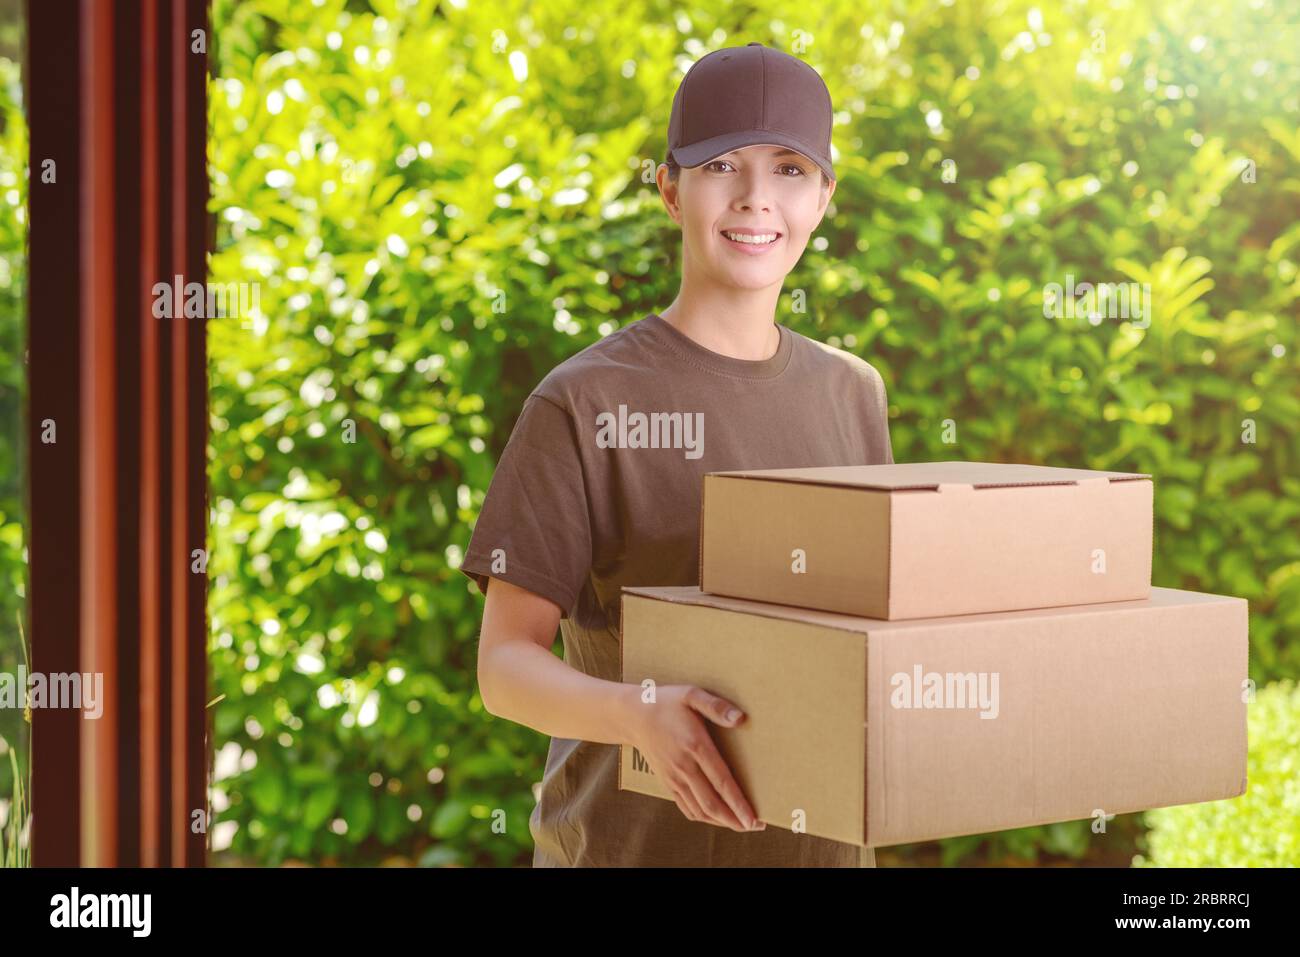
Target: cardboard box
x: 1105, y: 708
x: 927, y: 539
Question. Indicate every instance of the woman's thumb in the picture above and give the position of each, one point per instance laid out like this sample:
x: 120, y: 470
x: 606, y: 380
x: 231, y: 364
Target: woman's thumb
x: 719, y: 710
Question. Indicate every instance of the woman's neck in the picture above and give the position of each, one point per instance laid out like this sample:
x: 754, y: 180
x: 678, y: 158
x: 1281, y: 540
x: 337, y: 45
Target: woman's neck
x: 727, y: 332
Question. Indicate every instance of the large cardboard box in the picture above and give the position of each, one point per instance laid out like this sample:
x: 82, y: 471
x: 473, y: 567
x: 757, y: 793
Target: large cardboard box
x: 879, y: 732
x: 927, y: 539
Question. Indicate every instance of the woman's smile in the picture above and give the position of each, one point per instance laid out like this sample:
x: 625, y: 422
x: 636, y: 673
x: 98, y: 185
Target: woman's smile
x: 751, y: 242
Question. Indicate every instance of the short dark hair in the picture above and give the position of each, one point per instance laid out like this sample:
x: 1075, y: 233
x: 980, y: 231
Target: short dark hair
x: 674, y: 171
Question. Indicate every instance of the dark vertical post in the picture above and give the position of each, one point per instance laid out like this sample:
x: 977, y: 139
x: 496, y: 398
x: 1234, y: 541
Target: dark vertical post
x: 132, y: 300
x: 202, y: 235
x: 54, y: 419
x: 119, y: 502
x: 153, y: 701
x: 190, y: 432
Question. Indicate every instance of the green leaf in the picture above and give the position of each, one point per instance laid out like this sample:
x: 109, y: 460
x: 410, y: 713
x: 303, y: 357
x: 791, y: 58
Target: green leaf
x: 321, y: 803
x: 450, y: 818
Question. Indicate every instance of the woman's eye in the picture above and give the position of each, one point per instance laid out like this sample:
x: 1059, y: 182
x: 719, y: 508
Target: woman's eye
x: 785, y: 166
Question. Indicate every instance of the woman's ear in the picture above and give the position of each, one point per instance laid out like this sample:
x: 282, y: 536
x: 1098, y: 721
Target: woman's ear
x: 827, y: 192
x: 669, y: 192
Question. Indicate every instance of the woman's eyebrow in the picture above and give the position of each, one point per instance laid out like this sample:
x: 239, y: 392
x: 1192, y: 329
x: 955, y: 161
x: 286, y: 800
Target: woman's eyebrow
x: 779, y: 155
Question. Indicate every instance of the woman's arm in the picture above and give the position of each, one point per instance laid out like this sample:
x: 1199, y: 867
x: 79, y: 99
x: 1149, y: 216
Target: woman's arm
x: 521, y: 680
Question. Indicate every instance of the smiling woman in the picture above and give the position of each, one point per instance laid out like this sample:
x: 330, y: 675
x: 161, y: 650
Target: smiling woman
x: 748, y: 125
x: 746, y: 218
x: 592, y: 517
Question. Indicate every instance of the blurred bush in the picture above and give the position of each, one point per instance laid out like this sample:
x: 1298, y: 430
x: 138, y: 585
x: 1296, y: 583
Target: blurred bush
x: 13, y: 390
x: 1262, y: 827
x: 442, y: 201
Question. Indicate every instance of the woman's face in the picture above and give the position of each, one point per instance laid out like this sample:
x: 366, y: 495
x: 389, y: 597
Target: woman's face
x: 761, y: 190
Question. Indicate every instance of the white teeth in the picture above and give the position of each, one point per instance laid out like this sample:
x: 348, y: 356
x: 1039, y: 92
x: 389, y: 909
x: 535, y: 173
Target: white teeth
x: 760, y: 240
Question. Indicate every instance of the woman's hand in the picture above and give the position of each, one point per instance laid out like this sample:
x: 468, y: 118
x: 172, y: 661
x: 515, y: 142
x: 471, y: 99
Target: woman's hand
x: 673, y: 735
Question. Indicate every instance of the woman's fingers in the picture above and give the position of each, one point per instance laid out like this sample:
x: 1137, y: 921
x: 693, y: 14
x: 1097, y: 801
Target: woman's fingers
x: 715, y: 809
x: 724, y: 785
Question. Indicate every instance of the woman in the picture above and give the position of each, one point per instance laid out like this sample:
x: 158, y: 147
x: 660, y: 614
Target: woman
x: 599, y: 485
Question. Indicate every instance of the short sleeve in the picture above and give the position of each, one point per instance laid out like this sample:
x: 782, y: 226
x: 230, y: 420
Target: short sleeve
x: 534, y: 529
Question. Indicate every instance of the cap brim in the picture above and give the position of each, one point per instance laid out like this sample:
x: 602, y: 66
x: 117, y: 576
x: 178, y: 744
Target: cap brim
x: 697, y: 154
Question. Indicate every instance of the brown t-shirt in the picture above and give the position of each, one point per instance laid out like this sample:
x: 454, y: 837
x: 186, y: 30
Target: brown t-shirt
x: 588, y: 497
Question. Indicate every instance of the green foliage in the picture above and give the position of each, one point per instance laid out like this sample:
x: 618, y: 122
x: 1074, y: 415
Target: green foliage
x: 15, y: 814
x: 348, y: 431
x: 441, y: 202
x: 16, y: 810
x: 13, y: 386
x: 1262, y: 827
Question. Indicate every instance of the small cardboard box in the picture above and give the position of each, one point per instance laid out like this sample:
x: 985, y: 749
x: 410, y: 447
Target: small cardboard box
x: 879, y: 732
x: 927, y: 539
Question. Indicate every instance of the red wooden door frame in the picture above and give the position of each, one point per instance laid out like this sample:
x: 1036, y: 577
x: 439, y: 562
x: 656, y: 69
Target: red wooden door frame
x: 116, y: 95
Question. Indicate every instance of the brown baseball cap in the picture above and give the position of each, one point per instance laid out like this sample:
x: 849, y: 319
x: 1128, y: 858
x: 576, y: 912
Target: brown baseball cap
x: 750, y: 96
